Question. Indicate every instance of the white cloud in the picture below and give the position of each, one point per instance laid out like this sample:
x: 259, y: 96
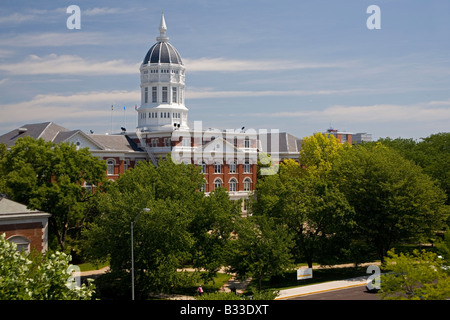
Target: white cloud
x: 380, y: 113
x: 54, y: 107
x: 102, y: 11
x: 55, y: 39
x: 68, y: 65
x: 16, y: 18
x: 233, y: 65
x: 71, y: 64
x: 30, y: 14
x: 205, y: 93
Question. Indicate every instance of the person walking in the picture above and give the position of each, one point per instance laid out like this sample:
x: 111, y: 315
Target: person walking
x: 200, y: 290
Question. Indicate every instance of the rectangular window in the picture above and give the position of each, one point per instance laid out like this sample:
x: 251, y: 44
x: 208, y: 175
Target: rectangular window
x: 164, y: 94
x: 110, y: 167
x: 174, y: 94
x: 217, y: 167
x: 186, y: 142
x: 247, y: 167
x: 145, y: 95
x: 167, y: 142
x: 154, y: 94
x: 232, y: 167
x: 247, y: 142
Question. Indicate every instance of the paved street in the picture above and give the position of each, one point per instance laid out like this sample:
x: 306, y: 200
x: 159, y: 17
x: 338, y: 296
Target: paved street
x: 350, y: 289
x: 354, y: 293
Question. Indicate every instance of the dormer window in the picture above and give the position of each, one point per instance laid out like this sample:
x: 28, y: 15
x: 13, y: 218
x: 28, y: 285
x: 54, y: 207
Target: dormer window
x: 247, y: 142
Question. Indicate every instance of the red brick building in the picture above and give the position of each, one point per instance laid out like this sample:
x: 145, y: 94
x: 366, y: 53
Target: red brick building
x: 228, y: 158
x: 28, y: 229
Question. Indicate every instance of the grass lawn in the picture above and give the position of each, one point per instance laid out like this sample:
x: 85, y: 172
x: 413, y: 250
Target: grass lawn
x: 90, y: 266
x: 212, y: 286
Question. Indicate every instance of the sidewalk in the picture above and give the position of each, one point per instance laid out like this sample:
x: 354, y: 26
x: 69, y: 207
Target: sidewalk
x: 240, y: 286
x: 322, y: 287
x: 236, y: 285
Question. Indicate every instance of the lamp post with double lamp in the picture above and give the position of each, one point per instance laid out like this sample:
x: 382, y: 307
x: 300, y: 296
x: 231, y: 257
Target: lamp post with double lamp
x: 132, y: 250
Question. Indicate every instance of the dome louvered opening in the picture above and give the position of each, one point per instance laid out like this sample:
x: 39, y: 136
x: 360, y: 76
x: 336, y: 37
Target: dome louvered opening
x: 162, y: 52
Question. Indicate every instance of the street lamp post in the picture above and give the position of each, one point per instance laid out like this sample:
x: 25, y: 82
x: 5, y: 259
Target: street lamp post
x: 132, y: 250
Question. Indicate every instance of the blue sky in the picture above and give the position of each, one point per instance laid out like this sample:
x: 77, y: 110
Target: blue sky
x: 296, y: 66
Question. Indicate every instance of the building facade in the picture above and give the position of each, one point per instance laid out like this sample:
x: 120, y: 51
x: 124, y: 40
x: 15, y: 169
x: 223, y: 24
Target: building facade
x: 228, y: 158
x: 28, y: 229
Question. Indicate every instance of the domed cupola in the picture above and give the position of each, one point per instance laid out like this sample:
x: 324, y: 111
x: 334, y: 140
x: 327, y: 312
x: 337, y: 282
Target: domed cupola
x: 162, y: 87
x: 162, y: 52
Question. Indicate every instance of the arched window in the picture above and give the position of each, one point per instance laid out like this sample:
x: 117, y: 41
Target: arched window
x: 110, y: 164
x: 217, y: 183
x: 233, y: 184
x: 21, y: 242
x: 247, y: 184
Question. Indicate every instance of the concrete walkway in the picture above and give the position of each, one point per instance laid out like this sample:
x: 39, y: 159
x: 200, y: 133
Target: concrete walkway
x: 322, y: 287
x: 240, y: 286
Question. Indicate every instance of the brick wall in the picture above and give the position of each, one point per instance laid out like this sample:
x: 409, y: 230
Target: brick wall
x: 33, y: 231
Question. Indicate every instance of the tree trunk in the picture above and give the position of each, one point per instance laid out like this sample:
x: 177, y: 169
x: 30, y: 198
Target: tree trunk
x: 59, y: 237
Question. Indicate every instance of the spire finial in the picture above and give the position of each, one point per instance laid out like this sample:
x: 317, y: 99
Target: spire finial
x: 162, y: 30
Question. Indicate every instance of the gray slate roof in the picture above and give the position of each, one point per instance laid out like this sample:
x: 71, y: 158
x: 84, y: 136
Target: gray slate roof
x: 46, y: 130
x: 287, y: 143
x: 50, y: 131
x: 12, y: 208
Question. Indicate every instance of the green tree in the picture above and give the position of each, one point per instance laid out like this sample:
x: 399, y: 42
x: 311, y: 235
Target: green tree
x: 393, y: 199
x: 431, y: 153
x: 49, y: 177
x: 417, y: 276
x: 435, y: 159
x: 318, y: 152
x: 212, y: 228
x: 182, y: 227
x: 262, y: 248
x: 37, y: 276
x: 314, y: 210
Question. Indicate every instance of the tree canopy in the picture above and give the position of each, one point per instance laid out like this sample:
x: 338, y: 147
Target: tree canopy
x: 183, y: 226
x: 37, y: 276
x: 315, y: 212
x: 431, y: 153
x: 421, y: 275
x: 49, y: 177
x: 393, y: 199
